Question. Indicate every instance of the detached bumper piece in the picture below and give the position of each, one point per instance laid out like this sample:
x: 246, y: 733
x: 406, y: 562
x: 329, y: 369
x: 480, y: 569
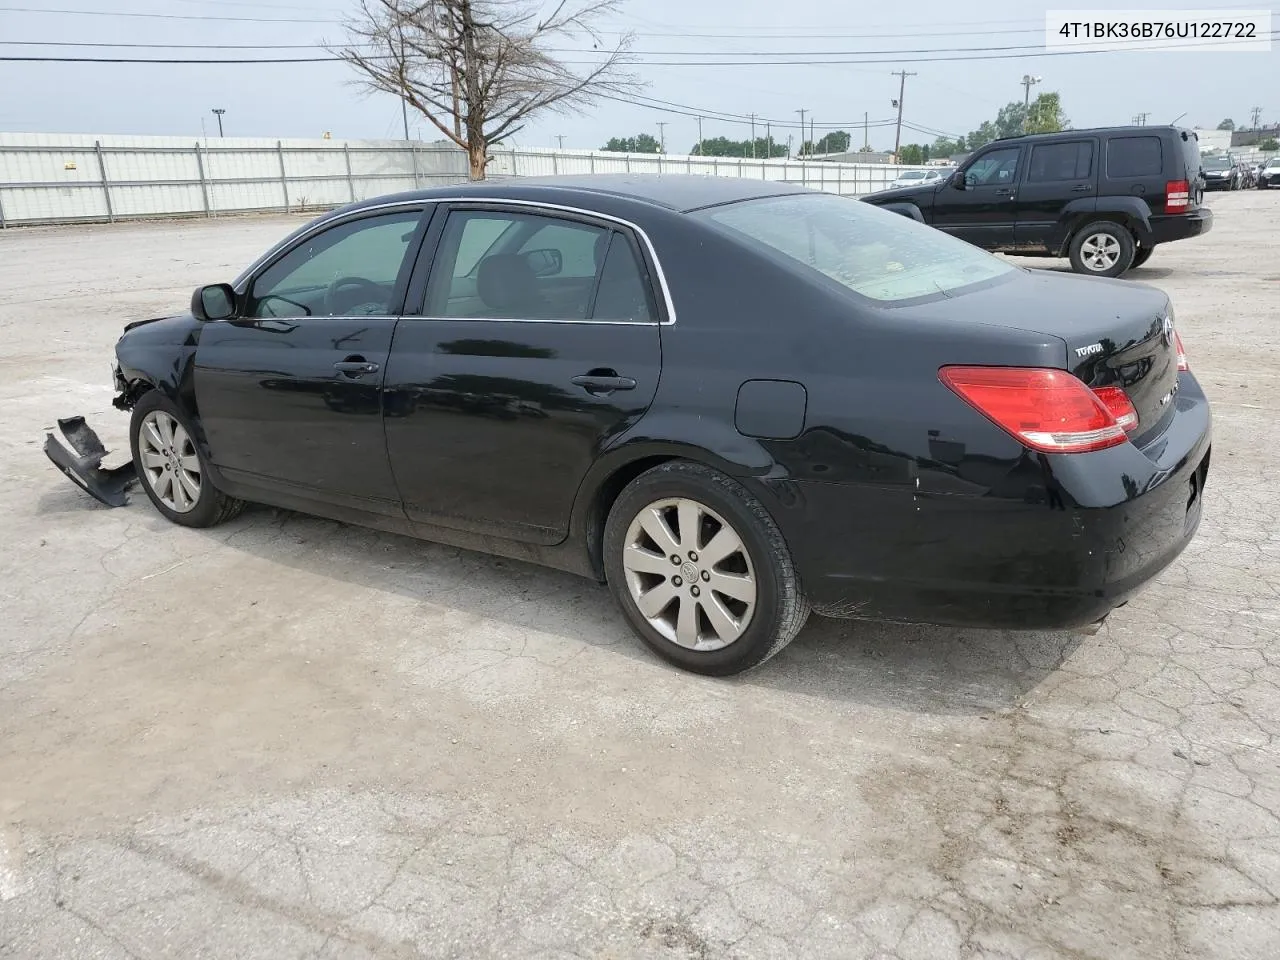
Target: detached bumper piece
x: 79, y: 455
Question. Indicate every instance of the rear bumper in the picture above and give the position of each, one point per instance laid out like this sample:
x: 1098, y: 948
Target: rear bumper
x: 1064, y: 554
x: 1180, y: 226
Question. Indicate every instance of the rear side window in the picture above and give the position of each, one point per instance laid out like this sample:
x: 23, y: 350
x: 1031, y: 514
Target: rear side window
x: 1061, y: 161
x: 1134, y: 157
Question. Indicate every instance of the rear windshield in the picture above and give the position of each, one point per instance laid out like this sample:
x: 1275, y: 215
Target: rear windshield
x: 876, y: 253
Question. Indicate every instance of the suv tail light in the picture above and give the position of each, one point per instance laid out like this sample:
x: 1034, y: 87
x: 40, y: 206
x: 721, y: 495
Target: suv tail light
x: 1183, y: 366
x: 1177, y: 196
x: 1048, y: 410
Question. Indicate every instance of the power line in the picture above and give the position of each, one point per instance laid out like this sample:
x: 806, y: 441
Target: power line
x: 165, y: 16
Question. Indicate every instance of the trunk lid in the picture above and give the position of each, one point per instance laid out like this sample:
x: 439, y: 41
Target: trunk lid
x: 1116, y: 332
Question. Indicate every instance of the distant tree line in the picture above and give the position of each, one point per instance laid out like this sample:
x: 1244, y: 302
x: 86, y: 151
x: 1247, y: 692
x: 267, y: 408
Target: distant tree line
x: 1043, y: 115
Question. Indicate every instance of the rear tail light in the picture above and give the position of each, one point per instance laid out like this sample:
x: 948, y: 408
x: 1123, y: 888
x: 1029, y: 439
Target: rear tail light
x: 1177, y: 196
x: 1048, y: 410
x: 1183, y: 366
x: 1117, y: 403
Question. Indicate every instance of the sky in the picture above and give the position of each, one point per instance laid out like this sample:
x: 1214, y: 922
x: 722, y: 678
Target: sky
x: 309, y: 99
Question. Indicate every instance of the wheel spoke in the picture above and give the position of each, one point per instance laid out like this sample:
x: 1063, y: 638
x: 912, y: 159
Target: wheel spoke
x: 179, y: 493
x: 165, y: 426
x: 733, y: 585
x: 687, y: 623
x: 721, y: 620
x: 690, y: 518
x: 190, y: 462
x: 653, y: 602
x: 655, y: 525
x: 642, y: 561
x: 152, y: 436
x: 151, y: 459
x: 191, y: 487
x: 164, y: 485
x: 723, y: 545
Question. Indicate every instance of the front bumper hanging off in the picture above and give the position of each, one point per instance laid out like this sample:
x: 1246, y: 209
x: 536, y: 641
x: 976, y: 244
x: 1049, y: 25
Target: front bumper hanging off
x: 79, y: 455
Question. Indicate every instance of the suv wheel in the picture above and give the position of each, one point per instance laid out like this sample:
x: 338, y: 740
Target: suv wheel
x: 1102, y: 249
x: 701, y: 570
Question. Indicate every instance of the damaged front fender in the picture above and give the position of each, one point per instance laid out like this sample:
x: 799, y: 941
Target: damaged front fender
x: 79, y: 455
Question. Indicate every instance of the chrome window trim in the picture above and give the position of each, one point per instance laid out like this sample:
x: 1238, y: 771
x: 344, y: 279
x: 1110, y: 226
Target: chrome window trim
x: 248, y: 273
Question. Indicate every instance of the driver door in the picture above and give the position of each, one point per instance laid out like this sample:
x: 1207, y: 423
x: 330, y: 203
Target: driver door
x: 983, y: 213
x: 289, y: 392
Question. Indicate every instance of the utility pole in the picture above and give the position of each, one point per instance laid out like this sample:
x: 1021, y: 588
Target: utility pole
x: 560, y: 137
x: 699, y: 136
x: 1257, y: 116
x: 768, y: 139
x: 802, y: 113
x: 866, y: 137
x: 1028, y: 81
x: 1140, y: 119
x: 902, y: 91
x: 753, y: 136
x: 813, y: 143
x: 218, y: 112
x: 662, y: 136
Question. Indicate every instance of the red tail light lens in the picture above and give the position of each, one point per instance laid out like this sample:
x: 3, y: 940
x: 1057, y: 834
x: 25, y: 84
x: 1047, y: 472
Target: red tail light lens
x: 1048, y: 410
x: 1117, y: 402
x: 1183, y: 366
x: 1177, y: 196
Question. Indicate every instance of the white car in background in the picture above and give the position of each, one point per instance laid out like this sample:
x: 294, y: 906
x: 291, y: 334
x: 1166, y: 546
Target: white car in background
x: 917, y: 178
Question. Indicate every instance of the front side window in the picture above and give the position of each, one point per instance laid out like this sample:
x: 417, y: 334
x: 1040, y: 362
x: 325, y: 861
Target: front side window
x: 347, y: 270
x: 875, y: 253
x: 994, y: 169
x: 535, y: 267
x: 1134, y: 157
x: 1060, y: 161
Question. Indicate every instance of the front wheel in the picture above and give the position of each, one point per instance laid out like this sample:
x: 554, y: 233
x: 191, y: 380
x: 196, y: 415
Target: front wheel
x: 171, y: 467
x: 1102, y: 249
x: 701, y: 570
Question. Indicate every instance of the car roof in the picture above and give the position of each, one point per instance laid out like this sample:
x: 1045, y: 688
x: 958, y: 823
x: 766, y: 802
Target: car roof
x: 678, y: 192
x: 1150, y: 131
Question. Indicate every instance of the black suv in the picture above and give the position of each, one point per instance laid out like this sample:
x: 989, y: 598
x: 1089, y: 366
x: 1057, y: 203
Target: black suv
x: 1104, y: 197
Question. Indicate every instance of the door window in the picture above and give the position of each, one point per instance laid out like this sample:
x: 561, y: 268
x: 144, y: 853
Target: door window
x: 1134, y: 157
x: 1060, y: 161
x: 534, y: 267
x: 348, y: 270
x: 994, y: 169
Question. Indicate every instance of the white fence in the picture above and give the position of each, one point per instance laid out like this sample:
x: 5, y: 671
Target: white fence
x: 66, y: 178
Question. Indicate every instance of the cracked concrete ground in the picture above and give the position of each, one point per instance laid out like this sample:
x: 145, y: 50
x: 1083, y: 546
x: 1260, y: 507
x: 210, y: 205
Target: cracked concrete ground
x: 287, y: 738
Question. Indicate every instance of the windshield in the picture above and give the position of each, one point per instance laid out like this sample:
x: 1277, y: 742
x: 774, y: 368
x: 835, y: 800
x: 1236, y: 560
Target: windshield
x: 912, y: 175
x: 873, y: 252
x: 1273, y: 163
x: 1216, y: 163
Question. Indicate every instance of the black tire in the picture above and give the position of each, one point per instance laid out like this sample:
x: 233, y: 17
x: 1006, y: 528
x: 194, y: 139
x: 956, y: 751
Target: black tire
x: 1081, y: 262
x: 780, y: 606
x: 1142, y: 256
x: 211, y: 506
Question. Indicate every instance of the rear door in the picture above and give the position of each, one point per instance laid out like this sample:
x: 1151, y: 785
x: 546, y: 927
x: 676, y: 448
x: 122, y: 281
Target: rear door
x: 537, y: 344
x: 1057, y: 174
x: 982, y: 213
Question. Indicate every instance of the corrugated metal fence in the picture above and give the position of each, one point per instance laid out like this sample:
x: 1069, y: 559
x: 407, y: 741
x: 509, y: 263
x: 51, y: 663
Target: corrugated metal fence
x: 65, y: 178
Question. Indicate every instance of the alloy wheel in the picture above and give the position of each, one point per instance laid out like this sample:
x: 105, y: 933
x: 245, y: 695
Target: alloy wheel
x: 689, y: 574
x: 169, y: 461
x: 1100, y: 251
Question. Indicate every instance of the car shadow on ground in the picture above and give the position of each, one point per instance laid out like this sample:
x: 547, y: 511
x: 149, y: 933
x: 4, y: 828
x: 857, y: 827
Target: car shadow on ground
x: 915, y: 668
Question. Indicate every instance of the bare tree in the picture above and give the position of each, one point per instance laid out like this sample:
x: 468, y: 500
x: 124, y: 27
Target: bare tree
x: 478, y: 69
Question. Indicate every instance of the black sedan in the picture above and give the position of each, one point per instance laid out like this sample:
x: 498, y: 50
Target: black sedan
x: 732, y: 401
x: 1221, y: 172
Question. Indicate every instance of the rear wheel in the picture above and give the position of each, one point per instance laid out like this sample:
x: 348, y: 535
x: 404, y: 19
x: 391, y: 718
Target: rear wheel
x: 171, y: 467
x: 1102, y: 249
x: 701, y: 571
x: 1142, y: 255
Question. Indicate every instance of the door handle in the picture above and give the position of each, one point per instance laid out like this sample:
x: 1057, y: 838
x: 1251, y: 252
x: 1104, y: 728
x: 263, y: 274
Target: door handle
x: 1005, y: 193
x: 1082, y: 188
x: 603, y: 381
x: 356, y: 367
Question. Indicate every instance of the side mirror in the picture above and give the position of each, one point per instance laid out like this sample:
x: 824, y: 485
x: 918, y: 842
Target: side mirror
x: 217, y: 301
x: 957, y: 180
x: 545, y: 263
